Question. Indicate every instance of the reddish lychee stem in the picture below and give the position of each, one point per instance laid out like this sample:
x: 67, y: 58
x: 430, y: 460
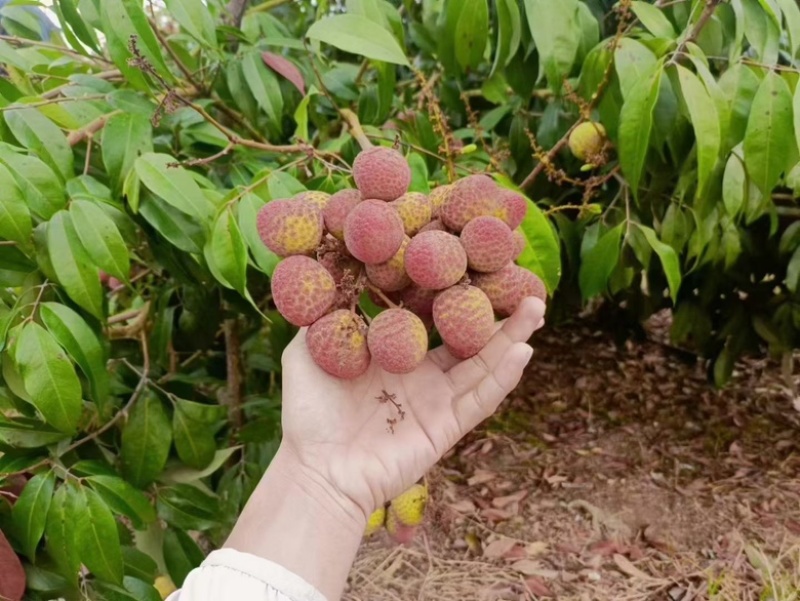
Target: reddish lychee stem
x: 355, y: 128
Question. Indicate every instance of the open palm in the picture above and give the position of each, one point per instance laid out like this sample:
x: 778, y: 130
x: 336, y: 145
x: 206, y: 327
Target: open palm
x: 372, y: 437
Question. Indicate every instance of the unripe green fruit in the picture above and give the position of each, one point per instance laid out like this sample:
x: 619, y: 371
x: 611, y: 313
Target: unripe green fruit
x: 587, y: 140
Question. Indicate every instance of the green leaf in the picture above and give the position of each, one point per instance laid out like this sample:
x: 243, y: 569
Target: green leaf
x: 195, y: 19
x: 669, y: 260
x: 598, y: 262
x: 734, y: 185
x: 139, y: 564
x: 230, y: 252
x: 636, y: 124
x: 126, y: 136
x: 188, y: 508
x: 283, y: 185
x: 419, y: 174
x: 80, y: 341
x: 762, y: 31
x: 509, y: 33
x: 180, y: 474
x: 739, y: 84
x: 653, y: 19
x: 146, y: 439
x: 72, y: 265
x: 181, y: 555
x: 97, y: 538
x: 60, y: 529
x: 15, y: 217
x: 49, y: 377
x: 791, y: 16
x: 358, y: 35
x: 40, y: 187
x: 249, y: 206
x: 633, y: 62
x: 194, y: 440
x: 793, y: 271
x: 554, y: 28
x: 177, y: 227
x: 40, y: 135
x: 79, y: 26
x: 796, y: 111
x: 705, y: 121
x: 472, y: 33
x: 101, y: 239
x: 768, y: 139
x: 264, y: 86
x: 542, y: 255
x: 201, y: 412
x: 29, y: 515
x: 124, y: 499
x: 122, y: 20
x: 24, y: 433
x: 174, y: 185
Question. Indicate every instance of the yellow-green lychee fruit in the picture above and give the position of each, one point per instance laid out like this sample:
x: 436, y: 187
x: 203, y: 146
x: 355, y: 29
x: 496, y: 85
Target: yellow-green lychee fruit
x: 399, y: 532
x: 375, y: 521
x: 165, y: 586
x: 409, y: 507
x: 587, y: 140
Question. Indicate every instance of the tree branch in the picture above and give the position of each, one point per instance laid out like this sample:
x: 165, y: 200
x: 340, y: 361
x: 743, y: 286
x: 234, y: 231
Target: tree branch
x: 708, y: 11
x: 233, y: 361
x: 236, y: 10
x: 87, y: 131
x: 355, y: 128
x: 266, y: 6
x: 171, y: 51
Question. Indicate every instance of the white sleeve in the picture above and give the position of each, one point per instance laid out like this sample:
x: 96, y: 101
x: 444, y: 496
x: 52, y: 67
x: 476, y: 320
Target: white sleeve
x: 229, y: 575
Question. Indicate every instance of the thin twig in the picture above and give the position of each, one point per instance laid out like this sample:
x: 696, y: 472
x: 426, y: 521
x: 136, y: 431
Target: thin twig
x: 266, y: 6
x: 708, y: 11
x: 26, y: 42
x: 57, y: 100
x: 355, y: 128
x: 88, y: 130
x: 174, y: 55
x: 236, y: 10
x: 233, y: 362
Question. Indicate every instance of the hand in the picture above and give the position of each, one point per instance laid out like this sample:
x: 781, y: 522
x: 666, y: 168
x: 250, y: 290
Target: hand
x: 364, y: 449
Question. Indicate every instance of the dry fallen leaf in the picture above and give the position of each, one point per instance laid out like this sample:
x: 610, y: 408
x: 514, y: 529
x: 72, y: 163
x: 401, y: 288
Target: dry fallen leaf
x: 498, y: 548
x: 481, y: 477
x: 463, y: 506
x: 503, y: 502
x: 536, y: 548
x: 626, y: 567
x: 538, y: 588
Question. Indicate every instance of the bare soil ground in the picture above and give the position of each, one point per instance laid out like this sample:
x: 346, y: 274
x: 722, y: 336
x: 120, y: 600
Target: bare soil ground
x: 612, y: 473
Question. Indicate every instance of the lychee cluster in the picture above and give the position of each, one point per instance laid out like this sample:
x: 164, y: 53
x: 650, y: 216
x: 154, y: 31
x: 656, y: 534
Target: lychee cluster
x: 402, y: 516
x: 443, y: 260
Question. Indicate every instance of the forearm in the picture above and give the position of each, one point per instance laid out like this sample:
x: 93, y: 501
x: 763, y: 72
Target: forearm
x: 297, y: 521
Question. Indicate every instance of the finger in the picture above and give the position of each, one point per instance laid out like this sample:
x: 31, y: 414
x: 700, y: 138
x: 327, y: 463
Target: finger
x: 479, y: 403
x: 518, y: 328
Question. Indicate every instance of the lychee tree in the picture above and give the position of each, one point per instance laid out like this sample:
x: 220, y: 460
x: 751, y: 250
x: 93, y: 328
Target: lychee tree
x: 159, y: 159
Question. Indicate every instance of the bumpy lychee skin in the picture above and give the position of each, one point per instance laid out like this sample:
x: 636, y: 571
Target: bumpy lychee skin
x: 587, y: 140
x: 391, y: 276
x: 437, y: 197
x: 489, y: 243
x: 338, y: 344
x: 375, y: 521
x: 420, y: 302
x: 302, y: 289
x: 339, y: 265
x: 506, y: 288
x: 409, y: 507
x: 474, y: 196
x: 465, y: 320
x: 290, y: 227
x: 316, y: 197
x: 513, y: 208
x: 373, y: 232
x: 520, y: 243
x: 414, y: 209
x: 381, y: 173
x: 434, y: 226
x: 435, y: 260
x: 398, y: 341
x: 338, y: 208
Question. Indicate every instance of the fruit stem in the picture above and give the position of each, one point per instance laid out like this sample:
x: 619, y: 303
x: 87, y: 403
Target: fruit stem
x: 383, y: 297
x: 355, y: 128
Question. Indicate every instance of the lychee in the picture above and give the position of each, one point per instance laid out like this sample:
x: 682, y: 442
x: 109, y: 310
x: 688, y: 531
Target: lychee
x: 465, y: 320
x: 316, y: 197
x: 397, y: 341
x: 289, y: 227
x: 338, y: 344
x: 414, y: 209
x: 587, y: 140
x: 420, y: 302
x: 373, y: 232
x: 437, y: 198
x: 339, y: 265
x: 375, y: 521
x: 471, y: 197
x: 381, y: 173
x: 489, y: 244
x: 391, y: 275
x: 433, y: 226
x: 302, y: 289
x: 507, y: 287
x: 513, y: 207
x: 338, y: 208
x: 435, y: 260
x: 520, y: 243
